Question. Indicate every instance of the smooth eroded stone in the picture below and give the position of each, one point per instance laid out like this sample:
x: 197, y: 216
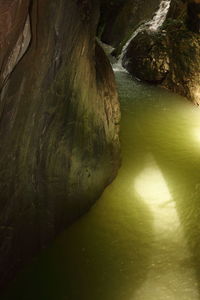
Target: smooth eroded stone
x: 59, y: 124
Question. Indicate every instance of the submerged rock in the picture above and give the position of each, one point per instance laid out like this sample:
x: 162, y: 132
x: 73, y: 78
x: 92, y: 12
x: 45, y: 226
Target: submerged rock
x: 59, y: 124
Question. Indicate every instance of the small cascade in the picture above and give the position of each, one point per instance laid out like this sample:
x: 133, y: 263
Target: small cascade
x: 153, y: 25
x: 160, y: 16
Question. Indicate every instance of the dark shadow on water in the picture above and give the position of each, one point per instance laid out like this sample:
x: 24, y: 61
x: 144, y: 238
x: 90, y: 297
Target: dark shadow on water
x: 100, y: 257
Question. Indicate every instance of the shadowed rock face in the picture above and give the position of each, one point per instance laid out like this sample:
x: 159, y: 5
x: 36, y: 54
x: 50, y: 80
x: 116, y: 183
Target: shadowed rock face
x: 59, y: 117
x: 120, y: 17
x: 188, y: 10
x: 193, y: 10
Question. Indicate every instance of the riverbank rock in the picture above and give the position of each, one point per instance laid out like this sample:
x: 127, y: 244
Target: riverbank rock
x: 170, y: 57
x: 147, y: 57
x: 59, y: 123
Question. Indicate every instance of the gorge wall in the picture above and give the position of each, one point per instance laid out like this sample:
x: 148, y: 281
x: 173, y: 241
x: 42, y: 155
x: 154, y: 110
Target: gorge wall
x: 59, y: 122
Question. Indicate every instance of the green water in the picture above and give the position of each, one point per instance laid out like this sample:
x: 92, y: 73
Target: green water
x: 141, y: 240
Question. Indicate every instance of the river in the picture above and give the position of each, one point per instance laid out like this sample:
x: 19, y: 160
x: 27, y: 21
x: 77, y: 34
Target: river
x: 141, y: 240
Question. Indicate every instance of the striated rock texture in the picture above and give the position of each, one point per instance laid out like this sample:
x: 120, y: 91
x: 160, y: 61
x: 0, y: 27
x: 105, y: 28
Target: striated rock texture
x: 120, y: 17
x: 59, y: 116
x: 171, y: 56
x: 14, y: 35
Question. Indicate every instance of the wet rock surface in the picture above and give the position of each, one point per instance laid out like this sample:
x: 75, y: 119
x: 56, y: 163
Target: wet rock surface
x: 59, y: 123
x: 147, y: 57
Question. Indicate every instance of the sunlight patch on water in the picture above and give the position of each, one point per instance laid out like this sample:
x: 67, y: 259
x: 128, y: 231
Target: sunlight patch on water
x: 150, y: 184
x: 196, y: 134
x: 155, y: 287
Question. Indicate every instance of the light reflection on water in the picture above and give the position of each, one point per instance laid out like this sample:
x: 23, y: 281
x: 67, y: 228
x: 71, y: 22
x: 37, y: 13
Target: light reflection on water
x: 152, y: 188
x: 171, y: 282
x: 196, y: 133
x: 141, y: 240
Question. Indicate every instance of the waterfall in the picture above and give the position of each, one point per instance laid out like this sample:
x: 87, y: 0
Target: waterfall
x: 153, y: 25
x: 160, y: 16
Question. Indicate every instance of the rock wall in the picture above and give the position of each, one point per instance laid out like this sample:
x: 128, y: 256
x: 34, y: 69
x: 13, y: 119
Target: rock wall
x: 59, y: 122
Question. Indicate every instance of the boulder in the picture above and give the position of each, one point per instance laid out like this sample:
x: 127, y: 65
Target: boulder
x: 147, y: 57
x: 59, y: 123
x: 170, y: 56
